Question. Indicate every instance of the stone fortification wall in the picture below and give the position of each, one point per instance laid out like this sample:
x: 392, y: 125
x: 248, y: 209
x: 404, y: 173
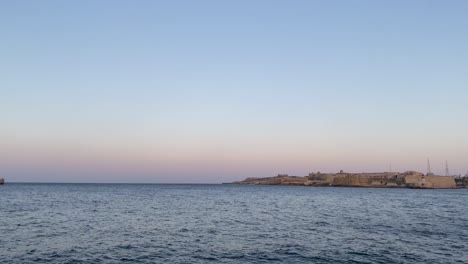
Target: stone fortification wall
x: 370, y: 180
x: 351, y: 180
x: 408, y: 179
x: 441, y: 181
x: 433, y: 181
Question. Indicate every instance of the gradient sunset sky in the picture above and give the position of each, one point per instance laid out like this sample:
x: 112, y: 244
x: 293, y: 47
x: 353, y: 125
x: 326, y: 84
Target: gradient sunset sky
x: 215, y: 91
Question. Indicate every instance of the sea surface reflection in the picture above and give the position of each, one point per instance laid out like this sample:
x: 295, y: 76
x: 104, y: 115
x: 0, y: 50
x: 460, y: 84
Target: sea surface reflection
x: 161, y: 223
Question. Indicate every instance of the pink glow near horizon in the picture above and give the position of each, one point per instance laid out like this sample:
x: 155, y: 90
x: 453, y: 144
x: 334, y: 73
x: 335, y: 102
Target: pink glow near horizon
x: 199, y: 163
x: 229, y: 90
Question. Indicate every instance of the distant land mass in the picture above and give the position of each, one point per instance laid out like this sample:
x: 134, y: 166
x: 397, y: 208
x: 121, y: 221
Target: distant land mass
x: 409, y: 179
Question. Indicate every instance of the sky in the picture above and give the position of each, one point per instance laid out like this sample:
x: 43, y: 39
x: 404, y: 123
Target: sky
x: 215, y: 91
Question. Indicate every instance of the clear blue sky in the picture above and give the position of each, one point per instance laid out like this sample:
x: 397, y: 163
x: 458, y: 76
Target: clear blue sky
x: 212, y: 91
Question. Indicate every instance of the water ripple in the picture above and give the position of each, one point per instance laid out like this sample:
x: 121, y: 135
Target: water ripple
x: 118, y: 223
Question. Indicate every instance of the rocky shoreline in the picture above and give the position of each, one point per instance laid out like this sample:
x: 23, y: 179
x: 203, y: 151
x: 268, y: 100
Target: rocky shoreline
x: 409, y: 179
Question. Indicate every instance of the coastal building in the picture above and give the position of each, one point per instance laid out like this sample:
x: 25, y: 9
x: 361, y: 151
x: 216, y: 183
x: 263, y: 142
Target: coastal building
x: 408, y: 179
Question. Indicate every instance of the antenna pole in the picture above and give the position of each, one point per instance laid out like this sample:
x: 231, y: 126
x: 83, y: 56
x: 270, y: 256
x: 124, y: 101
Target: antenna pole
x: 428, y: 167
x: 446, y: 169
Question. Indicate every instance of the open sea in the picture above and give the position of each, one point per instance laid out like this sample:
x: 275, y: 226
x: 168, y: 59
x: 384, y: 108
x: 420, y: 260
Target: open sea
x: 163, y: 223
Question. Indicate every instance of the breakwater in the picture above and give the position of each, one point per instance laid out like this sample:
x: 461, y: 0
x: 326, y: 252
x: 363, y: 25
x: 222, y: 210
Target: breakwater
x: 409, y: 179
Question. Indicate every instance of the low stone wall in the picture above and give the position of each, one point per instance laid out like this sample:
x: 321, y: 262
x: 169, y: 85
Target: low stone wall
x: 277, y: 180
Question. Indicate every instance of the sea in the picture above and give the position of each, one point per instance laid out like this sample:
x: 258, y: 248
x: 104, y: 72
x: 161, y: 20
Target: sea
x: 215, y: 223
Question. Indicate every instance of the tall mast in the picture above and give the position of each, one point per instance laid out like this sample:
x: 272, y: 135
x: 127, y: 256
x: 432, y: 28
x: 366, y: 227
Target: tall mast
x: 428, y: 167
x: 446, y: 169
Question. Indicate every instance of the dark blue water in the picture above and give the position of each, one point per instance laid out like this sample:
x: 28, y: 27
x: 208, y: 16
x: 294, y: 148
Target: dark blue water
x: 124, y: 223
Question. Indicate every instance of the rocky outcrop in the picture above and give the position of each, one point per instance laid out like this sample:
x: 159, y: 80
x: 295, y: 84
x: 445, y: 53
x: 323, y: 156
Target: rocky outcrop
x: 2, y: 181
x: 409, y: 179
x: 461, y: 182
x: 277, y: 180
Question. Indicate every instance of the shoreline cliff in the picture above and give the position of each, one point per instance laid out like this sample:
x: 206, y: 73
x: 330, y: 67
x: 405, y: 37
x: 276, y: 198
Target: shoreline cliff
x: 409, y: 179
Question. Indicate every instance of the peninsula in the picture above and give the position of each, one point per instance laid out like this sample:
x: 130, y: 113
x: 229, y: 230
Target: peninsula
x: 409, y: 179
